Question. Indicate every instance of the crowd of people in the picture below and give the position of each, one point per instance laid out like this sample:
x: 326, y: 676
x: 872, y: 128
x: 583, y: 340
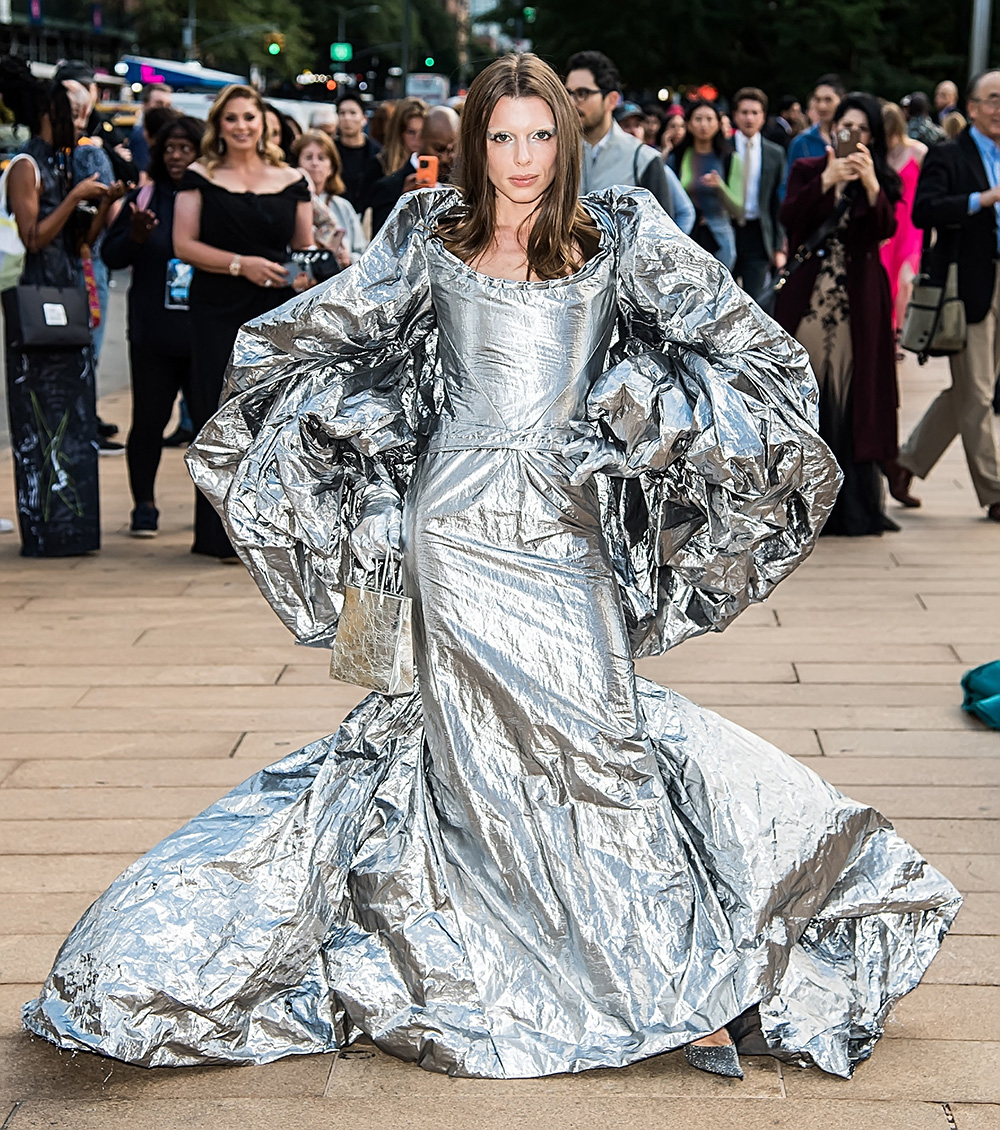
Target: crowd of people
x: 818, y: 209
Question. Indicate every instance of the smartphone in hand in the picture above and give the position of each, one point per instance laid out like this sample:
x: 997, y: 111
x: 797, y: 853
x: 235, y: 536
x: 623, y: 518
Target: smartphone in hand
x: 427, y: 172
x: 846, y: 141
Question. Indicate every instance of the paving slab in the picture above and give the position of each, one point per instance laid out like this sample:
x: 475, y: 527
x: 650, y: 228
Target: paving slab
x: 980, y: 914
x: 36, y: 912
x: 966, y: 960
x: 984, y: 1116
x: 844, y: 770
x: 935, y: 1071
x: 32, y: 1068
x: 528, y: 1113
x: 968, y: 872
x: 27, y: 874
x: 220, y: 773
x: 973, y: 836
x: 48, y: 837
x: 947, y: 1012
x: 142, y: 675
x: 97, y: 803
x: 895, y: 674
x: 27, y: 958
x: 42, y: 745
x: 908, y: 742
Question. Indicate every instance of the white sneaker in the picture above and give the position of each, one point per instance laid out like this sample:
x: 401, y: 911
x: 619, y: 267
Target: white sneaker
x: 6, y: 526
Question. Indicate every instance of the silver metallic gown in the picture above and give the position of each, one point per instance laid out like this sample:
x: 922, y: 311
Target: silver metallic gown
x: 535, y: 863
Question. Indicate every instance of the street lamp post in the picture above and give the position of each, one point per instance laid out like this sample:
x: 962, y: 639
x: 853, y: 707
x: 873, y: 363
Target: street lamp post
x: 343, y: 13
x: 979, y: 38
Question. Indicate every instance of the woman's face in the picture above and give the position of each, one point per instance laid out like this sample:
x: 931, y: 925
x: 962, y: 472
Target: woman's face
x: 241, y: 125
x: 704, y: 123
x: 178, y: 152
x: 273, y: 128
x: 521, y: 148
x: 856, y: 119
x: 317, y: 165
x: 674, y: 133
x: 412, y: 133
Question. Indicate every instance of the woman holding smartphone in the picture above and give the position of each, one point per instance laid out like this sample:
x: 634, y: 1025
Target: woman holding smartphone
x: 239, y: 210
x: 839, y: 305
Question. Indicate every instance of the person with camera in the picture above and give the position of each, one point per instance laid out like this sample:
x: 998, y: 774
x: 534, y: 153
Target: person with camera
x: 838, y: 304
x: 50, y: 387
x: 958, y: 194
x: 159, y: 320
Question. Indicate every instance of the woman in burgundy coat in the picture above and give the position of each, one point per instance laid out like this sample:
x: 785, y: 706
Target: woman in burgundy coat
x: 839, y: 306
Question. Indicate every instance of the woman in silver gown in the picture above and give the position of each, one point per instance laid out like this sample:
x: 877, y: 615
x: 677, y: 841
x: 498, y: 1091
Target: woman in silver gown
x: 534, y: 863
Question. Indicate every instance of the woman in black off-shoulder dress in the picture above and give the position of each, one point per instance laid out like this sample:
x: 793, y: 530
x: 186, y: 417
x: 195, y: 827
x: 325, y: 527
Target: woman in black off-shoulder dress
x: 237, y: 237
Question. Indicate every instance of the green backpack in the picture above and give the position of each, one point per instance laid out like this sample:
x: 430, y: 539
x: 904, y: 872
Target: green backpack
x: 982, y: 693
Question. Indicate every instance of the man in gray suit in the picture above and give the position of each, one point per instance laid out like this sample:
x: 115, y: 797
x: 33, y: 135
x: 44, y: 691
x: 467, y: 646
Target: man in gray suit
x: 760, y: 237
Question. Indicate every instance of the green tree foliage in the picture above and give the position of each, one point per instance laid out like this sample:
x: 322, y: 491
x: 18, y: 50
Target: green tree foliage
x: 887, y: 46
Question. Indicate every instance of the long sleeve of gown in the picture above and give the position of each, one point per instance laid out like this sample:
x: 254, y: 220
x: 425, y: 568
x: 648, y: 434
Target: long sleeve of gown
x: 322, y: 404
x: 715, y: 407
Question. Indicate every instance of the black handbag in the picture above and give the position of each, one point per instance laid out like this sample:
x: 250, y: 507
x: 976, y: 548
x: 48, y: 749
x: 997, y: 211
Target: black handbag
x: 48, y: 317
x: 809, y: 248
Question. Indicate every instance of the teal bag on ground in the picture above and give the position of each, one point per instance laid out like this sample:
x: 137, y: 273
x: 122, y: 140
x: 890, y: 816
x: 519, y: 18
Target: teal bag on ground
x: 982, y: 693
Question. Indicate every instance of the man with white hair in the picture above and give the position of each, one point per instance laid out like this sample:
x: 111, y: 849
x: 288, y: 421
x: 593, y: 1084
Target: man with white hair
x: 325, y: 118
x: 945, y: 99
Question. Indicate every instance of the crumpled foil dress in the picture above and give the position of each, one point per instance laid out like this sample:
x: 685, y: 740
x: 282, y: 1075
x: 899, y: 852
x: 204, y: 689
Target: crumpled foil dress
x: 535, y: 863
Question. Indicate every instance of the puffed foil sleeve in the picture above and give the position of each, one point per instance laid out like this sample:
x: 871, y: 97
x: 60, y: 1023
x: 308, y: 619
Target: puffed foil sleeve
x: 717, y: 407
x: 321, y: 408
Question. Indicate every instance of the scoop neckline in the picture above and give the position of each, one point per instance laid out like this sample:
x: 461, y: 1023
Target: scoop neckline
x: 245, y: 191
x: 537, y: 284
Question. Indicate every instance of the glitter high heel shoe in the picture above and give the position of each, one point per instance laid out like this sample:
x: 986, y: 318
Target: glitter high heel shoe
x: 718, y: 1060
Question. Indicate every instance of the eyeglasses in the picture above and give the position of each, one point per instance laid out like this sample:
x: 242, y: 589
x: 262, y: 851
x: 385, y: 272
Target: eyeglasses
x: 991, y: 103
x: 582, y: 93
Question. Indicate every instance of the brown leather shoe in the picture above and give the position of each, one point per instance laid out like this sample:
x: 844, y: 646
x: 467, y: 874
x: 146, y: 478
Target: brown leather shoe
x: 993, y: 513
x: 899, y: 484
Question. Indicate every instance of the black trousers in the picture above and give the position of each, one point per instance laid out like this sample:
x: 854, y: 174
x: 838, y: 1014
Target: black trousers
x: 752, y: 260
x: 156, y: 380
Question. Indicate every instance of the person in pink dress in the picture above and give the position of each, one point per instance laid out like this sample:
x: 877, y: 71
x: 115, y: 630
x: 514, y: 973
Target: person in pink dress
x: 901, y: 253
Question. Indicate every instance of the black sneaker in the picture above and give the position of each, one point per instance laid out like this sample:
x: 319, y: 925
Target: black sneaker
x: 107, y: 446
x: 180, y: 438
x: 106, y: 430
x: 145, y: 521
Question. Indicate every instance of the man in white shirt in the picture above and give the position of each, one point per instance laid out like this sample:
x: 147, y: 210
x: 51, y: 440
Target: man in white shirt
x: 759, y: 236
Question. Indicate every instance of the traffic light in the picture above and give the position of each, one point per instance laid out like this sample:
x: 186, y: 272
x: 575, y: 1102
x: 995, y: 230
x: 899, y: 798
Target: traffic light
x: 529, y: 14
x: 275, y: 43
x: 429, y: 61
x: 341, y: 52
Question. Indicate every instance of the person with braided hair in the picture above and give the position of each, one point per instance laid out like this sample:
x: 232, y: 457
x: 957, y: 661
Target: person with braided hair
x: 50, y: 392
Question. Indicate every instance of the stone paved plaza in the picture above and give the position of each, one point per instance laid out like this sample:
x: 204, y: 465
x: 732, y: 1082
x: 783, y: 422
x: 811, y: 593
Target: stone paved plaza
x: 139, y: 684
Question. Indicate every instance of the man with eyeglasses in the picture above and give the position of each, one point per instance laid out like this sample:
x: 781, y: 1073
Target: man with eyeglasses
x: 610, y: 155
x: 959, y: 194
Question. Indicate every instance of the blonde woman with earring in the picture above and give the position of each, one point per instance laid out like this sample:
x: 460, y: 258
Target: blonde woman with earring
x: 239, y: 211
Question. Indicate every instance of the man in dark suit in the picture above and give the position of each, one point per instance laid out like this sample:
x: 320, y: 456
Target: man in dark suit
x: 759, y: 236
x: 959, y: 194
x: 437, y: 139
x: 788, y: 121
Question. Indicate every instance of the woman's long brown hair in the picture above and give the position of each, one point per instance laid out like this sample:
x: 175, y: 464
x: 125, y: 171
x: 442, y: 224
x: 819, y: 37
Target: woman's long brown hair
x: 394, y: 153
x: 562, y: 230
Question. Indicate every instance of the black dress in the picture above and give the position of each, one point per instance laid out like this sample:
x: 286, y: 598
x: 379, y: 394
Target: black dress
x: 245, y: 223
x: 52, y: 403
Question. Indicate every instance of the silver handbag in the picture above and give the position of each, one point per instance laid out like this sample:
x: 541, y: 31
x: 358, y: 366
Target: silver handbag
x: 374, y: 643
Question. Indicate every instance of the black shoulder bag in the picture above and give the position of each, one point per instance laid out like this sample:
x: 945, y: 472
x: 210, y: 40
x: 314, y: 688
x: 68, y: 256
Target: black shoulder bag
x: 805, y: 252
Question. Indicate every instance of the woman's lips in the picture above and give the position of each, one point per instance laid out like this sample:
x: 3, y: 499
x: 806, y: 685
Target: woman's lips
x: 523, y: 182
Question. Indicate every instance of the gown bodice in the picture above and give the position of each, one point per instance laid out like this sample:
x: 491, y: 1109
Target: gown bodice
x: 533, y: 394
